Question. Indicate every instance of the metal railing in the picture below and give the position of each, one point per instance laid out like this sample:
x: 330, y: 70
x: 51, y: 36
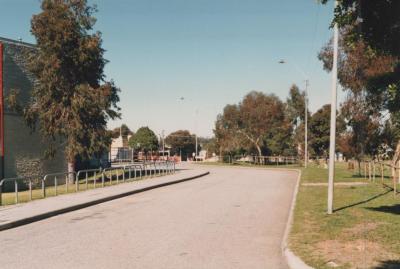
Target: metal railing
x: 86, y: 177
x: 56, y: 176
x: 16, y: 181
x: 56, y: 181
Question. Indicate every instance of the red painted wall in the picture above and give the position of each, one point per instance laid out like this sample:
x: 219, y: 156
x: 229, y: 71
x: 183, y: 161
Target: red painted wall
x: 1, y: 113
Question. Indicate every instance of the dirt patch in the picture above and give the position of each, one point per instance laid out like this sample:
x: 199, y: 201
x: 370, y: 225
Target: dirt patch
x: 362, y: 228
x: 357, y: 254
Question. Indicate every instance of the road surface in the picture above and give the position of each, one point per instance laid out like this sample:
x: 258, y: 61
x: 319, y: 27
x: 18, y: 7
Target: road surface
x: 233, y: 218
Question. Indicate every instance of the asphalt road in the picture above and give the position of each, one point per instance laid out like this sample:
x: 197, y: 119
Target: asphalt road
x: 233, y: 218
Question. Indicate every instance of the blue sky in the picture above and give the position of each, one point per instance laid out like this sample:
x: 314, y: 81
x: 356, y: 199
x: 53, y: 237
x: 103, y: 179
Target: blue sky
x: 211, y: 52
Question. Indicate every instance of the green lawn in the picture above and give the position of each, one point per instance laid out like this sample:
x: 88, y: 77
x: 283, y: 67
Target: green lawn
x: 362, y: 233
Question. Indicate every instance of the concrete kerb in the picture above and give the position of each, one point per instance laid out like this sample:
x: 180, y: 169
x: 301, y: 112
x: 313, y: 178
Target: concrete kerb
x: 53, y: 213
x: 293, y: 261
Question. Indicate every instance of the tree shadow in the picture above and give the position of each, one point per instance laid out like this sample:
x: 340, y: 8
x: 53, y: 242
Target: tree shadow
x: 392, y: 209
x: 364, y: 201
x: 390, y: 264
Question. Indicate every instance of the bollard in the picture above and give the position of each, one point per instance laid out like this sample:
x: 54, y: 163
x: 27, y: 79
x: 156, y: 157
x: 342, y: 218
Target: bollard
x: 94, y: 181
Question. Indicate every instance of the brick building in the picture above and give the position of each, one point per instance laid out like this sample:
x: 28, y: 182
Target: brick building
x: 21, y: 151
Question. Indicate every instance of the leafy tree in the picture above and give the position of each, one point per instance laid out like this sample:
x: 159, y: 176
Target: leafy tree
x: 124, y: 130
x: 296, y: 105
x: 144, y: 139
x: 181, y: 142
x: 71, y: 101
x: 377, y: 25
x: 319, y: 126
x: 226, y: 139
x: 357, y: 64
x: 375, y: 22
x: 253, y: 121
x: 296, y: 115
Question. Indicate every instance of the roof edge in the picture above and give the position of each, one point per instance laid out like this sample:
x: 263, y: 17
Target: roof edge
x: 16, y: 42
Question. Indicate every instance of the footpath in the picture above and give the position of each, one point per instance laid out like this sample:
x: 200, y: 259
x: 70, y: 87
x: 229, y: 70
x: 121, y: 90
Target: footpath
x: 20, y: 214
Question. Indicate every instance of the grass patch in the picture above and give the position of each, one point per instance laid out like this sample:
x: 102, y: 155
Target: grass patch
x: 362, y: 233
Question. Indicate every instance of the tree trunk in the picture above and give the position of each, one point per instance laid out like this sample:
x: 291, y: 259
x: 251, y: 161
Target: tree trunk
x: 71, y: 172
x: 259, y: 153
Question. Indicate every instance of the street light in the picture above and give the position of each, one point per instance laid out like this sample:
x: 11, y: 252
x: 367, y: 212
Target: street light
x: 332, y: 141
x: 305, y: 114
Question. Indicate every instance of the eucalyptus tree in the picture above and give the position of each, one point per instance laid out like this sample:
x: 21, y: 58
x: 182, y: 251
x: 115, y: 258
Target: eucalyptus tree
x: 254, y: 121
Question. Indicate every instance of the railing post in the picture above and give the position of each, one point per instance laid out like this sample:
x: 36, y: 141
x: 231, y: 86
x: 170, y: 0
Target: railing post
x: 43, y: 188
x: 87, y: 179
x: 77, y: 182
x: 1, y: 193
x: 55, y: 185
x: 16, y: 191
x: 30, y: 189
x: 102, y: 179
x: 66, y: 182
x: 94, y: 181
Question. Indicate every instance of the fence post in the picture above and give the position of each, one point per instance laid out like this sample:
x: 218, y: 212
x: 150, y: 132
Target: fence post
x: 94, y: 180
x: 365, y: 170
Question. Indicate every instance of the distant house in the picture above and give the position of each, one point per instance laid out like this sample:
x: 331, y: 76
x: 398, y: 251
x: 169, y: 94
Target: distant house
x: 21, y: 151
x: 120, y: 151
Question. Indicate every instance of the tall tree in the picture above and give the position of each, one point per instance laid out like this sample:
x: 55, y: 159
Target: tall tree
x: 296, y: 114
x: 358, y: 64
x: 71, y: 101
x: 319, y: 127
x: 181, y: 142
x: 254, y: 119
x: 122, y: 130
x: 377, y: 25
x: 144, y: 139
x: 296, y: 105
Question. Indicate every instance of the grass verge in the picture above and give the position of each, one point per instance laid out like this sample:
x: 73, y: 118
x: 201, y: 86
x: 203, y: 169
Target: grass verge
x: 363, y: 231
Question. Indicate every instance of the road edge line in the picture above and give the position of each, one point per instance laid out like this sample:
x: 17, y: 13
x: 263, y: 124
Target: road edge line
x: 28, y: 220
x: 293, y: 261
